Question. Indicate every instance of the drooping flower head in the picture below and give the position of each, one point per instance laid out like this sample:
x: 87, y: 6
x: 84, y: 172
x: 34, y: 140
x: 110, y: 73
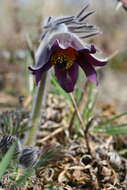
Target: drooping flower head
x: 62, y: 47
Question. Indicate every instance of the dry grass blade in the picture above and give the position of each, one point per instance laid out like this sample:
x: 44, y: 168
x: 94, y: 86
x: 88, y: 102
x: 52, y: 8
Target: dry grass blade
x: 77, y: 111
x: 80, y: 105
x: 81, y: 121
x: 57, y: 131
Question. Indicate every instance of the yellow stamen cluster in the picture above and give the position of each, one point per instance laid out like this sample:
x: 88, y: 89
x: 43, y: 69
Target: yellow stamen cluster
x: 65, y: 57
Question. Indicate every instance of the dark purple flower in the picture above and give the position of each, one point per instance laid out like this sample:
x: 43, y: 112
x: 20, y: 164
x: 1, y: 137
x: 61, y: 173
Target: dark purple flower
x: 65, y: 51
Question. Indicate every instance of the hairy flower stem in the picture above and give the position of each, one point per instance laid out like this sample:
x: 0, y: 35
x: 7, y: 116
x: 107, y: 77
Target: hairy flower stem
x: 81, y: 121
x: 39, y: 103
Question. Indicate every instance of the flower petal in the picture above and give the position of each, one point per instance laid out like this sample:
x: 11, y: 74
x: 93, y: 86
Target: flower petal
x: 66, y: 40
x: 91, y: 58
x: 42, y: 56
x: 39, y: 71
x: 42, y: 64
x: 96, y: 61
x: 67, y: 78
x: 55, y: 46
x: 89, y: 71
x: 92, y: 50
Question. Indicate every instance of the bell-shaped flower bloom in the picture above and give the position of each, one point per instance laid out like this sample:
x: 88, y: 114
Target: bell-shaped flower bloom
x: 64, y: 50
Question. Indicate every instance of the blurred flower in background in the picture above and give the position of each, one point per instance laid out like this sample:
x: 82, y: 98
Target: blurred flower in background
x: 123, y: 3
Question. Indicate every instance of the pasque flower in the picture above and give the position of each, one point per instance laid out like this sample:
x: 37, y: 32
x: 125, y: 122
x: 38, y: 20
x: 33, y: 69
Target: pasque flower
x: 29, y: 157
x: 6, y: 142
x: 62, y: 47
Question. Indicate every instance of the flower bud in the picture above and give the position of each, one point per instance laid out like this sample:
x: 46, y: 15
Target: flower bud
x: 6, y: 142
x: 29, y: 157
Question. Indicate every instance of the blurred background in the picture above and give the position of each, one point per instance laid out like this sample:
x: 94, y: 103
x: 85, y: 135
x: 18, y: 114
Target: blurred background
x: 19, y: 18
